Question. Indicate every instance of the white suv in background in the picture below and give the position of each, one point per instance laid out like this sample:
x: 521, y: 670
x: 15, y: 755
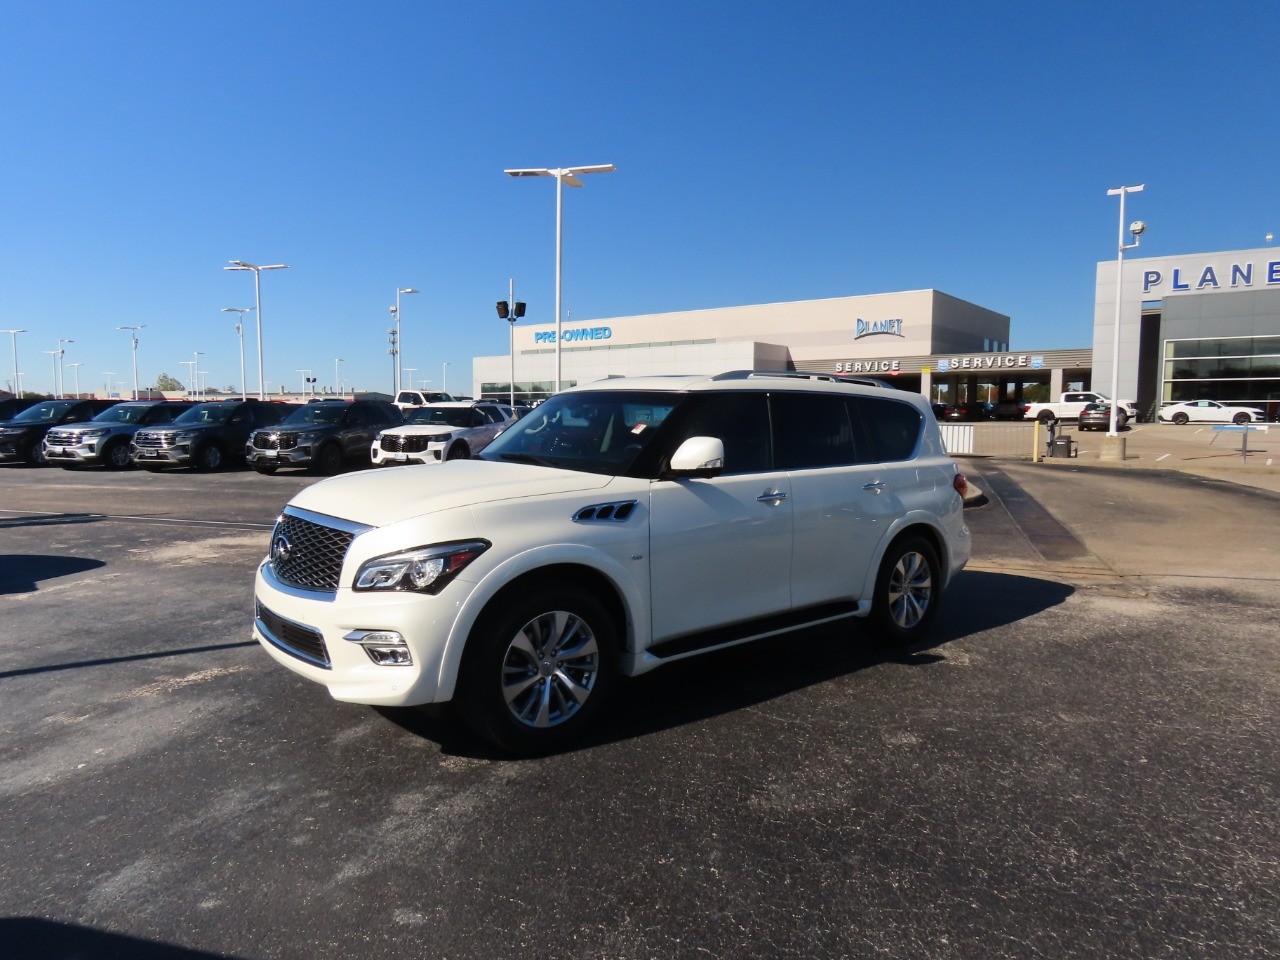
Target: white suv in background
x: 440, y: 431
x: 617, y: 527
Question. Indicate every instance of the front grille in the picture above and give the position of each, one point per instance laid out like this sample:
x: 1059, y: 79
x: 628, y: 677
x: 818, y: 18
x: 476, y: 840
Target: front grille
x: 61, y: 439
x: 275, y: 441
x: 400, y: 443
x: 303, y: 642
x: 152, y: 441
x: 315, y: 554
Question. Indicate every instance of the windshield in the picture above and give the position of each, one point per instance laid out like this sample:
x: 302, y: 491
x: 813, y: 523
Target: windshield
x: 443, y: 416
x: 317, y: 413
x: 44, y: 412
x: 596, y: 432
x: 122, y: 413
x: 206, y: 413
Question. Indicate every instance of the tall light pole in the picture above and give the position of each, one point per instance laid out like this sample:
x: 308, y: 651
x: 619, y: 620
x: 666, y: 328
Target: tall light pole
x: 305, y: 381
x: 192, y: 364
x: 17, y: 377
x: 511, y: 310
x: 336, y: 381
x: 195, y: 373
x: 444, y: 377
x: 62, y: 380
x: 1136, y: 228
x: 398, y: 379
x: 411, y: 371
x: 257, y: 300
x: 107, y: 385
x: 240, y: 312
x: 76, y: 366
x: 53, y: 357
x: 133, y: 336
x: 563, y: 175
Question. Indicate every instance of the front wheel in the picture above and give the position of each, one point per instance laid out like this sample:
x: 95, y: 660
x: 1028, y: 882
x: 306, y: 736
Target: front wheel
x: 329, y: 459
x: 34, y: 454
x: 117, y: 456
x: 1181, y: 419
x: 458, y: 451
x: 209, y: 457
x: 1240, y: 418
x: 538, y: 669
x: 907, y: 592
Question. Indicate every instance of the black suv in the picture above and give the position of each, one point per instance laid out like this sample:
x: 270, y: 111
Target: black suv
x: 10, y: 407
x: 207, y: 435
x: 22, y: 438
x: 323, y: 435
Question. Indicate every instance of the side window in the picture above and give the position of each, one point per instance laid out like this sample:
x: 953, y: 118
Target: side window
x: 740, y: 420
x: 813, y: 431
x: 892, y: 427
x: 477, y: 419
x: 160, y: 414
x: 357, y: 416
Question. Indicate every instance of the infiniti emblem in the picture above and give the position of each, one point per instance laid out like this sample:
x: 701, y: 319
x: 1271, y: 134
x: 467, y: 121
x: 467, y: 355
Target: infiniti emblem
x: 281, y: 548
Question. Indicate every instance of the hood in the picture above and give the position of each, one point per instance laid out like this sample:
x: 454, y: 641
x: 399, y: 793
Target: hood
x: 89, y: 425
x: 381, y: 497
x: 181, y: 427
x: 423, y: 430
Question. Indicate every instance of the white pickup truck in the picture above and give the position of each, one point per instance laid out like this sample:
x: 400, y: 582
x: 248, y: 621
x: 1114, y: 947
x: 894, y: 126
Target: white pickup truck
x: 1071, y: 405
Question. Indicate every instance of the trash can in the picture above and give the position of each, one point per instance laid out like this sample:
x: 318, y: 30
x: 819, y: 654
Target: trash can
x: 1062, y: 447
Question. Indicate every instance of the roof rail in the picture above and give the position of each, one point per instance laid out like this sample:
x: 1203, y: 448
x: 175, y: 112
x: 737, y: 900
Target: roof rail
x: 803, y: 375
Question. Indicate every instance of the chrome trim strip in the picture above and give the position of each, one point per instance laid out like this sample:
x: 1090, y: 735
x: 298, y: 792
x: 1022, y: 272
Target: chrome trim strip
x: 324, y: 520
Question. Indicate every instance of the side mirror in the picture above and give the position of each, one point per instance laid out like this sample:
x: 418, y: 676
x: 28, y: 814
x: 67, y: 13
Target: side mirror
x: 698, y: 457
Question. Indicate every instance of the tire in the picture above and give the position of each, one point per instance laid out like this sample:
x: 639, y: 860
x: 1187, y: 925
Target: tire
x: 328, y: 460
x: 1181, y: 419
x: 34, y: 454
x: 1241, y: 418
x: 458, y: 451
x: 1046, y: 416
x: 515, y: 639
x: 266, y: 469
x: 907, y: 592
x: 208, y: 458
x: 117, y: 456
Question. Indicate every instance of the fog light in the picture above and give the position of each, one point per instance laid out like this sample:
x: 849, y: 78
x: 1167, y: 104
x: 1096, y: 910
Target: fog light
x: 384, y: 647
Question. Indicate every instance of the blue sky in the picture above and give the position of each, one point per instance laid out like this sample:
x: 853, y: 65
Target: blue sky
x: 765, y: 152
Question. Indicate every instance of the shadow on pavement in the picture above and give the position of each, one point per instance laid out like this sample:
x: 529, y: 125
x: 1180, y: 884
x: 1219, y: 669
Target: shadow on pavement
x: 107, y: 661
x: 22, y: 572
x: 689, y: 691
x: 47, y: 520
x: 28, y: 938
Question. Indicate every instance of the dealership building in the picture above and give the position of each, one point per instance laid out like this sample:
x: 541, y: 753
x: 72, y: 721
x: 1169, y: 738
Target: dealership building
x: 1204, y: 326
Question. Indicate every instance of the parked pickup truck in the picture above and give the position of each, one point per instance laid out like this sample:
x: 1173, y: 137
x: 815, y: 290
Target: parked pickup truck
x: 1071, y: 405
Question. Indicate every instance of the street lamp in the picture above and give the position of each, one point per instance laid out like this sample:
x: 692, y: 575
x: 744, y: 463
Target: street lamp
x: 512, y: 310
x: 133, y: 335
x: 240, y: 312
x: 411, y: 371
x: 397, y: 379
x: 444, y: 378
x: 17, y: 377
x: 106, y: 386
x: 61, y: 378
x: 195, y: 373
x: 1136, y: 228
x: 257, y: 298
x: 336, y: 381
x: 53, y: 361
x: 76, y: 366
x: 192, y: 364
x: 563, y: 175
x: 306, y: 374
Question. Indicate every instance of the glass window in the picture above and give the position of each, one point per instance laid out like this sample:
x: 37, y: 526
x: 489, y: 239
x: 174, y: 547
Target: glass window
x: 892, y: 426
x: 317, y: 413
x: 739, y: 420
x: 812, y: 431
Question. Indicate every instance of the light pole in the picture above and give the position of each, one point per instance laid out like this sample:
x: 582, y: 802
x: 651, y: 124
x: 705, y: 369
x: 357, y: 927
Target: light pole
x: 397, y: 378
x: 133, y: 336
x: 512, y: 310
x: 563, y: 175
x: 53, y: 357
x: 444, y: 378
x: 411, y: 371
x: 62, y: 380
x: 106, y: 386
x: 17, y: 377
x: 305, y: 381
x: 1136, y: 228
x: 195, y: 373
x: 76, y: 366
x: 257, y: 300
x: 336, y: 381
x: 240, y: 312
x: 192, y: 365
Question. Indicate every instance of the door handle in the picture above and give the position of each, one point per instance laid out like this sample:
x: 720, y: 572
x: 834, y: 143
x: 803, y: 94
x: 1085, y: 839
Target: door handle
x: 771, y: 496
x: 875, y: 486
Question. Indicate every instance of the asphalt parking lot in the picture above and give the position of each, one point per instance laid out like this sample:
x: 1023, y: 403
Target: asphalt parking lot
x: 1082, y: 763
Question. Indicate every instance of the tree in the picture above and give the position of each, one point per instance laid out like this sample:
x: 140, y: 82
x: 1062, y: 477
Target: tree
x: 166, y: 382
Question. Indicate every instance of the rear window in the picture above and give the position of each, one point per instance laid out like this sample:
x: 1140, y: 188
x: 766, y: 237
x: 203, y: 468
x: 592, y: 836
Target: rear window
x: 892, y: 427
x: 814, y: 431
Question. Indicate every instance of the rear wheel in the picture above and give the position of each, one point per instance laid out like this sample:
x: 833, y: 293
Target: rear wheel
x: 538, y: 669
x: 906, y: 593
x: 116, y: 456
x: 1180, y: 419
x: 1240, y: 418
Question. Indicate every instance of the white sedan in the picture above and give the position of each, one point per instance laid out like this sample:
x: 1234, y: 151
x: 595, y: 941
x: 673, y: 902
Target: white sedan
x: 441, y: 431
x: 1207, y: 411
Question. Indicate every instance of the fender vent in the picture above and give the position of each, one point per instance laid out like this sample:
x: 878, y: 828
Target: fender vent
x: 618, y: 512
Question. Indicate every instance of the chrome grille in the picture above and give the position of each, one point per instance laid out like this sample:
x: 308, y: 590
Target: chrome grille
x: 275, y: 441
x: 152, y: 441
x: 301, y: 641
x: 62, y: 438
x: 315, y: 553
x: 400, y: 443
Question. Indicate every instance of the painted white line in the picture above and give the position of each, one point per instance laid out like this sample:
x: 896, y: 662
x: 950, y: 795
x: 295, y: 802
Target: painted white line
x: 1163, y: 457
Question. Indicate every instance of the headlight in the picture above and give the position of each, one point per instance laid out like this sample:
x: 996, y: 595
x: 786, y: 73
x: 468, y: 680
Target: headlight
x: 11, y: 432
x: 423, y: 570
x: 377, y: 438
x: 441, y: 438
x: 87, y: 434
x: 309, y: 437
x: 183, y: 437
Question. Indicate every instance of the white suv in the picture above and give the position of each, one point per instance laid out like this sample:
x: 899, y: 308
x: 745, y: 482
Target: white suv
x: 440, y: 431
x: 619, y: 526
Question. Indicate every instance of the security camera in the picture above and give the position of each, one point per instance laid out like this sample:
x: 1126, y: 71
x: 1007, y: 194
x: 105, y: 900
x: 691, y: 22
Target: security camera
x: 1137, y: 228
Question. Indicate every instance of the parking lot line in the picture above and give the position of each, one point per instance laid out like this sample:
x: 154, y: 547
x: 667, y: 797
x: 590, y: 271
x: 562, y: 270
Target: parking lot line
x: 236, y: 524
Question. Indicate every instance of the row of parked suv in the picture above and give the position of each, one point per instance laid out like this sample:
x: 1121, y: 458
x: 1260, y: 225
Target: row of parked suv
x: 324, y: 436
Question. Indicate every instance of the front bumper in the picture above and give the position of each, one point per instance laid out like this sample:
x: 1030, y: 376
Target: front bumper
x: 88, y: 452
x: 10, y: 449
x: 162, y: 456
x: 433, y: 454
x: 296, y: 457
x: 350, y: 675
